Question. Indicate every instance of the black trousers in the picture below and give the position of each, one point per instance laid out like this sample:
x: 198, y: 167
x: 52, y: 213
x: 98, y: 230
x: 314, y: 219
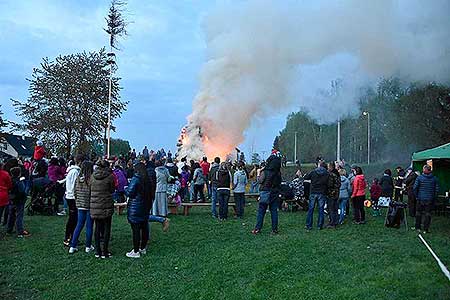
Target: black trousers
x: 423, y: 213
x: 239, y: 199
x: 4, y: 211
x: 72, y: 220
x: 59, y: 196
x: 140, y: 235
x: 359, y: 213
x: 412, y: 202
x: 332, y: 207
x: 198, y: 188
x: 102, y: 232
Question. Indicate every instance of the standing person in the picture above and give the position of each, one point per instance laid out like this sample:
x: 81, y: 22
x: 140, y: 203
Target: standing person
x: 387, y: 184
x: 133, y: 155
x: 82, y: 200
x: 409, y: 182
x: 239, y: 184
x: 139, y: 194
x: 184, y: 182
x: 55, y: 174
x: 205, y: 165
x: 398, y: 194
x: 102, y: 206
x: 145, y: 153
x: 17, y: 198
x: 375, y: 194
x: 157, y: 182
x: 253, y: 178
x: 213, y: 183
x: 270, y: 181
x: 333, y: 191
x: 426, y: 188
x: 358, y: 196
x: 223, y: 179
x: 160, y: 206
x: 121, y: 179
x: 5, y: 187
x: 344, y: 195
x: 71, y: 177
x: 318, y: 192
x: 199, y: 183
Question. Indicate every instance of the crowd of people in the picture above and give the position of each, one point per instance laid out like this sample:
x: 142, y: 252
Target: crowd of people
x: 88, y: 187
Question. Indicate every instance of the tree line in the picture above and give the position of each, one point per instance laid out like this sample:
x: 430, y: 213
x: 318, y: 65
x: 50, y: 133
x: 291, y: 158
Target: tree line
x: 404, y: 118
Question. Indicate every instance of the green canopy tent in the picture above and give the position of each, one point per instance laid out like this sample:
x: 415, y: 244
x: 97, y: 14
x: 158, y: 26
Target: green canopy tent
x: 439, y: 159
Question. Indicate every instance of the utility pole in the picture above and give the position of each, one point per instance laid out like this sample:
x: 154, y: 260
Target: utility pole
x: 295, y: 148
x: 338, y: 150
x: 366, y: 113
x: 111, y: 62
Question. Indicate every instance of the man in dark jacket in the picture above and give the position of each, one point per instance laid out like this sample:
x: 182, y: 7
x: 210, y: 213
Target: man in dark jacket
x: 334, y: 187
x: 213, y: 183
x: 270, y: 183
x: 401, y: 174
x: 425, y: 189
x: 319, y: 189
x: 409, y: 182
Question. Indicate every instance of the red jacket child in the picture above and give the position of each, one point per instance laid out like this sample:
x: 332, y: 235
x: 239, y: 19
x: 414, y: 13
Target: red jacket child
x: 5, y: 186
x: 375, y: 190
x: 39, y: 151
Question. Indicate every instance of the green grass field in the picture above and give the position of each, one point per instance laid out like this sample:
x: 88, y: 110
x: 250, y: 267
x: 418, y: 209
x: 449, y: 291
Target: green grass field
x: 200, y: 258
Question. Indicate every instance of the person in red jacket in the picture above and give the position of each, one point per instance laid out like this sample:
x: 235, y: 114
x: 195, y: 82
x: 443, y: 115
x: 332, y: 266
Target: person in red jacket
x: 205, y: 165
x: 5, y: 186
x: 39, y: 151
x: 375, y: 194
x: 358, y: 196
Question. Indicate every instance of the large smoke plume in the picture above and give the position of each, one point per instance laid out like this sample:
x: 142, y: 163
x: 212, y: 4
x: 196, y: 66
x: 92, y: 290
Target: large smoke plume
x: 257, y: 49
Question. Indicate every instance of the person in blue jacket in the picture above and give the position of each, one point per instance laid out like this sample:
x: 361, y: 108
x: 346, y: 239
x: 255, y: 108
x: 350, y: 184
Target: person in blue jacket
x: 138, y: 192
x: 426, y: 188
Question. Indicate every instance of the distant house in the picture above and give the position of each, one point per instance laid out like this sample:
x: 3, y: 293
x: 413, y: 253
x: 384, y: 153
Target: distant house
x: 12, y: 145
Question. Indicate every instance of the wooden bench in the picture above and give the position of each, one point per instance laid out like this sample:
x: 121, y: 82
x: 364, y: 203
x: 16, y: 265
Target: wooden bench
x: 119, y: 207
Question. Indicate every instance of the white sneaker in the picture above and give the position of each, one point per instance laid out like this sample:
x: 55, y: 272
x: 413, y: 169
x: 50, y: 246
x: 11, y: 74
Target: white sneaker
x: 72, y: 250
x: 143, y: 251
x: 89, y: 249
x: 133, y: 254
x: 62, y: 213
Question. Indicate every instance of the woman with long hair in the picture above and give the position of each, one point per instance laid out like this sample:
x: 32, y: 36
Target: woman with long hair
x: 82, y: 200
x: 138, y: 192
x: 358, y: 196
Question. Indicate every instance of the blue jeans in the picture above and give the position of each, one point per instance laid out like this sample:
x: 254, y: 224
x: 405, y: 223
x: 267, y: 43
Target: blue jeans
x: 254, y: 187
x: 157, y: 219
x: 267, y: 199
x: 321, y: 199
x: 223, y: 196
x: 342, y: 207
x: 84, y: 217
x: 15, y: 216
x: 214, y: 201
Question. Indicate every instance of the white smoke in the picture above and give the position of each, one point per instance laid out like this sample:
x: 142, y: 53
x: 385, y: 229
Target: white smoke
x: 258, y: 51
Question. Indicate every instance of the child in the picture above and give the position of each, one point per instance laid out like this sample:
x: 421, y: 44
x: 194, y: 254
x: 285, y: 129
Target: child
x: 5, y: 186
x: 184, y: 182
x: 39, y: 151
x: 375, y: 194
x: 17, y: 197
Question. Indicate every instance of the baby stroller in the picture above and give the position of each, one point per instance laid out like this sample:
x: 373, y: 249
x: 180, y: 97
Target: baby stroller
x: 42, y: 194
x: 396, y: 215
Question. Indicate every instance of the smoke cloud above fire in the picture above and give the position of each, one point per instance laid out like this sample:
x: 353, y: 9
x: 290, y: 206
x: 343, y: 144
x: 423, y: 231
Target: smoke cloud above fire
x: 258, y: 51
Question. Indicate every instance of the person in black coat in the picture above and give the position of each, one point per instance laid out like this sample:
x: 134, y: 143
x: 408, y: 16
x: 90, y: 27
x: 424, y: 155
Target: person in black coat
x: 138, y: 192
x: 409, y: 182
x: 387, y: 184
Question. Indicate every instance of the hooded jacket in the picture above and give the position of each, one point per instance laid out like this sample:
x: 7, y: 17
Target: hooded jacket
x: 199, y: 177
x: 137, y: 205
x: 223, y: 179
x: 240, y: 181
x: 17, y: 193
x: 39, y: 152
x: 162, y: 179
x: 5, y: 186
x: 212, y: 173
x: 102, y: 188
x: 121, y: 179
x: 375, y: 191
x: 426, y: 188
x: 387, y: 185
x: 55, y: 173
x: 72, y: 174
x: 152, y: 177
x: 346, y: 188
x: 82, y: 193
x: 319, y: 180
x: 359, y: 186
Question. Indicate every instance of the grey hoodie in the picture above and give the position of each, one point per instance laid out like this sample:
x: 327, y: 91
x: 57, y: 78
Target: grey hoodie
x: 346, y: 188
x: 240, y: 181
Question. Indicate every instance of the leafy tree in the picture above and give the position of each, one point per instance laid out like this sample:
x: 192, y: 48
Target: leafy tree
x: 68, y: 103
x: 119, y: 147
x: 2, y: 121
x: 115, y: 22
